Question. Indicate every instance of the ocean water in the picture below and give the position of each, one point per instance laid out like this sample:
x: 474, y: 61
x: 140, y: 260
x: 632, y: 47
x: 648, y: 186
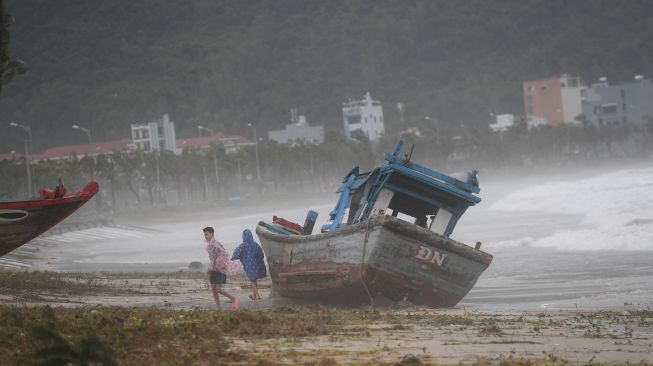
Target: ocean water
x: 616, y: 211
x: 581, y: 242
x: 164, y: 246
x: 563, y: 242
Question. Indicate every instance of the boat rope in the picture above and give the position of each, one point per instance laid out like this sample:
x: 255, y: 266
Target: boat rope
x: 367, y: 235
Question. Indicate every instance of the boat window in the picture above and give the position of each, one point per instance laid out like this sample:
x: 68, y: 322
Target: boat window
x: 422, y: 220
x: 404, y: 217
x: 441, y: 221
x: 411, y: 206
x: 356, y: 200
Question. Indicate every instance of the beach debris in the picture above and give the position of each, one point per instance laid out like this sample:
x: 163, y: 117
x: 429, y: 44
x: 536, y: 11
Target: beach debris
x: 195, y: 266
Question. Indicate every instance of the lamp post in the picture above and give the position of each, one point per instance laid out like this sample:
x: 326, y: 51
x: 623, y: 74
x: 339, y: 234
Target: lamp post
x: 209, y: 130
x: 258, y: 169
x: 86, y: 130
x: 401, y: 107
x: 215, y: 158
x: 28, y: 146
x: 239, y: 175
x: 436, y: 124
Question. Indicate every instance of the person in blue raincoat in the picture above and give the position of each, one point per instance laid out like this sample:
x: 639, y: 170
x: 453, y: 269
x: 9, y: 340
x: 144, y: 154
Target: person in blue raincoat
x: 251, y: 256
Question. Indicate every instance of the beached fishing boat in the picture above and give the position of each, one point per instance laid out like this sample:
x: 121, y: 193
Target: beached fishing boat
x: 23, y: 221
x: 387, y: 236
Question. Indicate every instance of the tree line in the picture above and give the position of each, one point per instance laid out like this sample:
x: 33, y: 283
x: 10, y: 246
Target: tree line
x: 138, y: 179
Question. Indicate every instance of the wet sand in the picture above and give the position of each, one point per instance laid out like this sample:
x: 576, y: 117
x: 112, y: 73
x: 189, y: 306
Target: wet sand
x: 544, y: 306
x: 577, y: 338
x: 401, y: 332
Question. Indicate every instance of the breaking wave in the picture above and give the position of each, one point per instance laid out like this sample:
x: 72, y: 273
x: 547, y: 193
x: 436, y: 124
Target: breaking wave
x: 617, y: 211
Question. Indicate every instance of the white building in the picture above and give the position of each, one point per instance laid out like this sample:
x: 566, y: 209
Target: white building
x: 298, y: 130
x: 572, y: 93
x: 533, y: 122
x: 365, y: 115
x: 157, y: 135
x: 503, y: 122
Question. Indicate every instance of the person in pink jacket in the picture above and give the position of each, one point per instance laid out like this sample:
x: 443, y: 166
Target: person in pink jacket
x: 217, y: 276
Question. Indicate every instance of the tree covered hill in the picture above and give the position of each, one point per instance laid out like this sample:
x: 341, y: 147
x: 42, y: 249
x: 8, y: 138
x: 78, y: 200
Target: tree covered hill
x: 106, y: 64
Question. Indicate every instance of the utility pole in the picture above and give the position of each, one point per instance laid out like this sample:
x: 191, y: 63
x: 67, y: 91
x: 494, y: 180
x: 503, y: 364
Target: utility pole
x: 436, y: 124
x: 401, y: 108
x: 239, y: 175
x: 258, y: 169
x: 217, y: 176
x: 215, y: 158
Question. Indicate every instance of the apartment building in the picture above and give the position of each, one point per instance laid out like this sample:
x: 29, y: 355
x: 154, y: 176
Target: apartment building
x: 620, y: 104
x: 365, y: 115
x: 555, y: 100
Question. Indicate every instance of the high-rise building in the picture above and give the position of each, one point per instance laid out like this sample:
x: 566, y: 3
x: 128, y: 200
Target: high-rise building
x: 154, y: 136
x: 365, y: 115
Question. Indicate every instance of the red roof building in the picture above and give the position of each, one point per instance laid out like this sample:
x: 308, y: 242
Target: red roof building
x: 231, y: 144
x: 199, y: 142
x: 60, y: 152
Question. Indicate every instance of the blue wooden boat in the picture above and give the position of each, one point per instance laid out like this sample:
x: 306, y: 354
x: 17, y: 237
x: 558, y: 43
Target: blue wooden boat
x: 388, y: 236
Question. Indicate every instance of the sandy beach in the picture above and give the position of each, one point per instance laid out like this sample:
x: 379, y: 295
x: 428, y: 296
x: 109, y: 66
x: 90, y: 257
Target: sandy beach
x: 570, y: 283
x: 279, y: 332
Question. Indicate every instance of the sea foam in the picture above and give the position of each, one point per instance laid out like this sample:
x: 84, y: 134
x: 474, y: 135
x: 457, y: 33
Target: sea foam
x: 617, y: 211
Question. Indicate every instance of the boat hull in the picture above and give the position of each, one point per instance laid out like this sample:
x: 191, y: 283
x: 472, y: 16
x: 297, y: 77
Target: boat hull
x: 23, y: 221
x: 381, y: 256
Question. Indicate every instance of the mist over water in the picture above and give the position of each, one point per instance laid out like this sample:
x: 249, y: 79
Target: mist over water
x: 559, y: 242
x: 616, y: 210
x: 566, y: 243
x: 172, y: 245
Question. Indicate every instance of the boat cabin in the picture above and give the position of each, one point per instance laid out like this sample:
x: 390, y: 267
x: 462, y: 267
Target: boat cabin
x: 406, y: 190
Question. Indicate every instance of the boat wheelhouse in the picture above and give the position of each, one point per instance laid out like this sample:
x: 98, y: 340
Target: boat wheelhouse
x: 432, y: 199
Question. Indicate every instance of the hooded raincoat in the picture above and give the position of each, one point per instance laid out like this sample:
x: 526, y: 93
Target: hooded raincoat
x: 251, y: 256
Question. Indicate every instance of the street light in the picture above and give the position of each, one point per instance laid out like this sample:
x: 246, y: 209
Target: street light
x: 215, y: 158
x: 28, y: 146
x: 86, y: 130
x: 200, y: 128
x: 258, y: 169
x: 436, y: 124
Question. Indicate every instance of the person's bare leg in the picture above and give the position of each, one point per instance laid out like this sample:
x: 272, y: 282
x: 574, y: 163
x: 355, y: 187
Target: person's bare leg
x: 255, y: 288
x: 234, y: 301
x: 215, y: 289
x: 225, y: 293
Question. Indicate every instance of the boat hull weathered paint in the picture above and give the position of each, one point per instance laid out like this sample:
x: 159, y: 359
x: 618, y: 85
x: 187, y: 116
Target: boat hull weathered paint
x: 23, y: 221
x: 381, y: 255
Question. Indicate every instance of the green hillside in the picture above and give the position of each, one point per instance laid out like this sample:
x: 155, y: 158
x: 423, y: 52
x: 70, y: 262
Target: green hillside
x: 106, y: 64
